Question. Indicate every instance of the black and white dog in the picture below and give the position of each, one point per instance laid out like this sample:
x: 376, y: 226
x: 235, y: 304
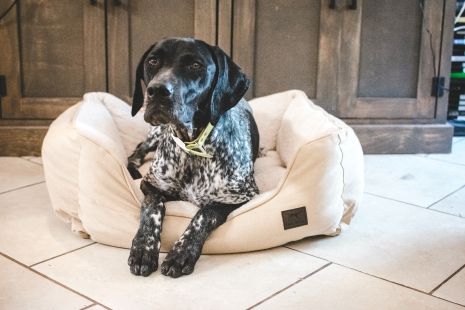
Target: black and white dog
x: 190, y: 87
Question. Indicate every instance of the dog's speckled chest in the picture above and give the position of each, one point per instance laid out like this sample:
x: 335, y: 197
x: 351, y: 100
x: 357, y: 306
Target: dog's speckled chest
x: 225, y: 178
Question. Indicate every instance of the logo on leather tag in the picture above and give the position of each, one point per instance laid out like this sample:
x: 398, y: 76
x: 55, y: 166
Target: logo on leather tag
x: 294, y: 218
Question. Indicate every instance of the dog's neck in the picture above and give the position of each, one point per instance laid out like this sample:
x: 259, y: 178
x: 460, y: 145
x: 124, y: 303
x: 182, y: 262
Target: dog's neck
x: 200, y: 122
x: 195, y: 147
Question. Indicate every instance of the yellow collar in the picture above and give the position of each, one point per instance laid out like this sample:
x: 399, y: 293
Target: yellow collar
x: 196, y: 147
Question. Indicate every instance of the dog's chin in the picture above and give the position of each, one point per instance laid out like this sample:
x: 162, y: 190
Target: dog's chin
x: 180, y: 129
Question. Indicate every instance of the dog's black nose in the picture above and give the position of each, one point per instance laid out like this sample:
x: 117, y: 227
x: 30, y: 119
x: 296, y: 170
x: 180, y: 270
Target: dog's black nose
x: 160, y: 90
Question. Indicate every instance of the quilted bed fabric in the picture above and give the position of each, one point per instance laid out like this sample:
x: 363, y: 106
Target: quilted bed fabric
x: 310, y: 175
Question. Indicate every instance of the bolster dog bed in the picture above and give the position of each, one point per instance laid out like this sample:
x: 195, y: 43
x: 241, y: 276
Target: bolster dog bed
x: 310, y: 175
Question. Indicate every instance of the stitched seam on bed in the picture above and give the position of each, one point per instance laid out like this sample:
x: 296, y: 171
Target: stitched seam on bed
x: 343, y: 177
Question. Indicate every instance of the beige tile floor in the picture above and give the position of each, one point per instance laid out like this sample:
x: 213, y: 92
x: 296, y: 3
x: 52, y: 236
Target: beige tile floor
x: 405, y: 249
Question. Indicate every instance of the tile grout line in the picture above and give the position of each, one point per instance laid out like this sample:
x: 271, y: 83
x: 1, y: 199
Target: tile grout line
x: 448, y: 195
x: 21, y: 187
x: 380, y: 278
x: 289, y: 286
x: 446, y: 280
x: 53, y: 281
x: 28, y: 160
x: 414, y: 205
x: 59, y: 255
x: 87, y: 307
x: 393, y: 199
x: 445, y: 161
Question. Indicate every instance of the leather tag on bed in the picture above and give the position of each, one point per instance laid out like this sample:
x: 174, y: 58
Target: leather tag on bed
x: 294, y: 218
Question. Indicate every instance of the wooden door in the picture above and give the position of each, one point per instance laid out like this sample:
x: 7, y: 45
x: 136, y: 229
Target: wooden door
x: 134, y: 25
x: 387, y: 60
x: 287, y: 44
x: 51, y: 53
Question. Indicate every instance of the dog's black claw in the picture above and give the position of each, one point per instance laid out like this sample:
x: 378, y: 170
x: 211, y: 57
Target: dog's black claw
x: 179, y: 263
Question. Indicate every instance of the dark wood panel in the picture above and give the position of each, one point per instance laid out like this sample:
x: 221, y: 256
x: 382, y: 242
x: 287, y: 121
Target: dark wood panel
x: 286, y: 46
x: 225, y: 14
x: 205, y: 21
x: 21, y: 140
x: 243, y: 39
x: 404, y: 139
x: 329, y: 45
x: 390, y: 48
x: 444, y: 59
x: 351, y: 105
x: 9, y: 64
x: 52, y: 58
x: 42, y: 80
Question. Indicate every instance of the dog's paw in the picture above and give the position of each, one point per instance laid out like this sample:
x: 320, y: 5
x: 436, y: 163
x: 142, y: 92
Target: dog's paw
x: 179, y: 262
x: 143, y: 258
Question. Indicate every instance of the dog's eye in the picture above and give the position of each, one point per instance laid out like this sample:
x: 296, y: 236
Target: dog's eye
x: 154, y: 62
x: 195, y: 65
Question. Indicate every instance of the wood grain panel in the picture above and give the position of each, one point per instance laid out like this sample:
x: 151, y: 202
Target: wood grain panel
x: 62, y: 56
x: 21, y: 140
x: 286, y: 46
x: 446, y: 53
x: 328, y: 56
x: 205, y: 21
x: 118, y: 52
x: 390, y: 47
x: 9, y: 64
x: 225, y: 15
x: 404, y: 139
x: 351, y: 104
x: 52, y: 57
x: 243, y: 39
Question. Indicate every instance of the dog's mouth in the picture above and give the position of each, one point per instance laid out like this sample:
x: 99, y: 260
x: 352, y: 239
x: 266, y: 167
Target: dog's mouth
x: 182, y: 130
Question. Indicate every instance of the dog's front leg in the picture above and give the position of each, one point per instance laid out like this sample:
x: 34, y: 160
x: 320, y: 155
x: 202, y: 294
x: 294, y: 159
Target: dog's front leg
x: 136, y: 159
x: 186, y: 251
x: 143, y: 258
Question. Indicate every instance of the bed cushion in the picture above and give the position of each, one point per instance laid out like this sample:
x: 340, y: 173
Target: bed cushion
x: 310, y: 175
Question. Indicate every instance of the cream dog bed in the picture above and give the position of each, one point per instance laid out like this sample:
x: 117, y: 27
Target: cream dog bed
x: 310, y: 175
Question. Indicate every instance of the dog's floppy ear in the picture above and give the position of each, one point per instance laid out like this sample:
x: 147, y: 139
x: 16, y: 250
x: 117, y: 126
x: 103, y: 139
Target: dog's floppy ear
x: 229, y: 86
x: 138, y: 97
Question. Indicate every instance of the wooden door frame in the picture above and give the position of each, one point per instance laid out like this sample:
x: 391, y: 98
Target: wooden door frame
x: 421, y: 107
x: 14, y: 105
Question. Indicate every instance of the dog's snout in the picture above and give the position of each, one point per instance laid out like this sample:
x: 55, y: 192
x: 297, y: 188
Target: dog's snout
x: 160, y: 90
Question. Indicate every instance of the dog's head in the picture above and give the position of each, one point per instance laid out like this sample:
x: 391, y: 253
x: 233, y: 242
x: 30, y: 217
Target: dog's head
x: 188, y: 84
